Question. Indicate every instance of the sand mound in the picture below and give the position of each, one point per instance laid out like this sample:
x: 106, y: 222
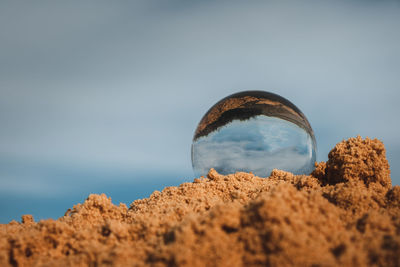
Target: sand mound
x: 346, y: 213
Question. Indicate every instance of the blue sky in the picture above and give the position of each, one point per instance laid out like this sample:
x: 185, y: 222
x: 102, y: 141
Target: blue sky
x: 112, y: 91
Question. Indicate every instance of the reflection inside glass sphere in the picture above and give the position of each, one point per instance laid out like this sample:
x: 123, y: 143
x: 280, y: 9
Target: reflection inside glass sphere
x: 253, y: 131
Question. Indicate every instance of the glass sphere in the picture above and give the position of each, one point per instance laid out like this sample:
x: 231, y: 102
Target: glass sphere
x: 253, y: 131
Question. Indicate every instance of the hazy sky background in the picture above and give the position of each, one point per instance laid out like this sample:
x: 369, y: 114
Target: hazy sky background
x: 105, y: 96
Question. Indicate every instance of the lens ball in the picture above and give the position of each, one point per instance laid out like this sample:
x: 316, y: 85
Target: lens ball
x: 253, y: 131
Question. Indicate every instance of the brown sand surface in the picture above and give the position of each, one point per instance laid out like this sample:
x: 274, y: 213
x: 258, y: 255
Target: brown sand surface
x: 247, y: 104
x: 345, y: 214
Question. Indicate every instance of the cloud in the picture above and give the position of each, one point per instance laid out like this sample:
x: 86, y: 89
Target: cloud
x: 266, y: 143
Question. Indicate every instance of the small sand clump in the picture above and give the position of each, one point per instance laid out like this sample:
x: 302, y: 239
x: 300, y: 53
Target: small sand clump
x: 346, y: 213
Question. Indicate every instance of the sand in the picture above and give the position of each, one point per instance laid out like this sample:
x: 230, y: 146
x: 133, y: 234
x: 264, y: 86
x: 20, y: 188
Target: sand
x: 345, y: 214
x: 248, y: 104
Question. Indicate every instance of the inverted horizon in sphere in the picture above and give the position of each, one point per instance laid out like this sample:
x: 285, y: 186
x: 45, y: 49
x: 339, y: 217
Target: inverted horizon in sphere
x: 254, y: 131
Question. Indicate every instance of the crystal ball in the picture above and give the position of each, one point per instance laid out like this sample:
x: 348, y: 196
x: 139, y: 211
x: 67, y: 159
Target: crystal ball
x: 253, y: 131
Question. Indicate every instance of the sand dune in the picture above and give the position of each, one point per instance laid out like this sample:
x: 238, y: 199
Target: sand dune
x: 346, y: 213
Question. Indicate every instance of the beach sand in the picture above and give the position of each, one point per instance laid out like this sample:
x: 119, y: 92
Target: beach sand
x: 346, y: 213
